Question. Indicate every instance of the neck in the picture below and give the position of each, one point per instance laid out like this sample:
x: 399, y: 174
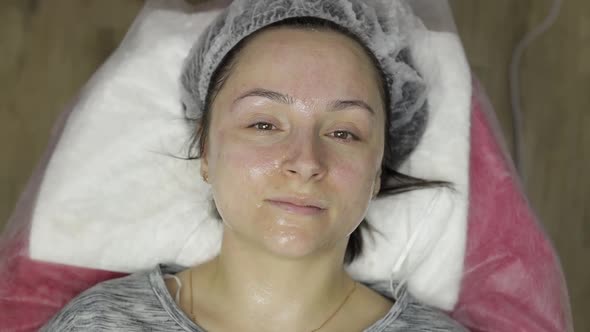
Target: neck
x: 286, y: 293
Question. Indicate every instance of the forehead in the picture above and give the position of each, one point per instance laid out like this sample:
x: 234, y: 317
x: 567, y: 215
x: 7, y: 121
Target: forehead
x: 307, y: 64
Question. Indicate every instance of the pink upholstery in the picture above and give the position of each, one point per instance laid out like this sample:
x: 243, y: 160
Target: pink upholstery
x: 31, y: 292
x: 513, y: 280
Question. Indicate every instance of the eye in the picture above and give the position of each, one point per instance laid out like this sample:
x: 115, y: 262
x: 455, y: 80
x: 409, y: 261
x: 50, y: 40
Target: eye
x: 263, y: 126
x: 345, y: 135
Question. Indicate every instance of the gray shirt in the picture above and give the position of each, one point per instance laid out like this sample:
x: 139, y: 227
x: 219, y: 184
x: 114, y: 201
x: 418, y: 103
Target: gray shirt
x: 141, y: 302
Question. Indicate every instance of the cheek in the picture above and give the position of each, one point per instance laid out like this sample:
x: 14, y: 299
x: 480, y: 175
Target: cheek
x: 235, y: 163
x: 352, y: 173
x: 354, y: 178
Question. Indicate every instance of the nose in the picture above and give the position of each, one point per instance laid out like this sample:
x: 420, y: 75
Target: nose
x: 304, y: 158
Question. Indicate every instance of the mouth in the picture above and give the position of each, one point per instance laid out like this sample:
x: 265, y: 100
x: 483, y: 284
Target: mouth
x: 304, y: 206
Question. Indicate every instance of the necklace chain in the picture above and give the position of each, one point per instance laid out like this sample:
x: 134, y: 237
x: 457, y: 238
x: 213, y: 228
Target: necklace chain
x: 314, y: 330
x: 338, y: 309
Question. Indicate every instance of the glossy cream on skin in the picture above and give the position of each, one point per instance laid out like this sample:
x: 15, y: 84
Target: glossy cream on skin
x: 259, y: 148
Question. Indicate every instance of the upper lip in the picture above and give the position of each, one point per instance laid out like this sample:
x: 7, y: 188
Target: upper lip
x: 301, y: 201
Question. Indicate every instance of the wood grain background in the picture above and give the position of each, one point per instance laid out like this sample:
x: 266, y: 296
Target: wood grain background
x: 48, y: 50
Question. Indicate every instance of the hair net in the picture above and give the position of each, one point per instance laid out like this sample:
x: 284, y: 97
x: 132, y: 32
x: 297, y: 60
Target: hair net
x: 383, y: 26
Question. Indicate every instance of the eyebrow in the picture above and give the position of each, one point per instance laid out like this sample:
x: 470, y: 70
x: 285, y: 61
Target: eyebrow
x: 336, y: 105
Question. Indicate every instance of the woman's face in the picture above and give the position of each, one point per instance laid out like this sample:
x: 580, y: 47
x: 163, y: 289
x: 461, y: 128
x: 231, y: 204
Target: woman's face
x: 300, y: 119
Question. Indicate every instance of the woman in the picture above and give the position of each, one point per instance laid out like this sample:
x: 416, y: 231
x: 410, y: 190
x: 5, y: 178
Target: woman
x: 302, y: 111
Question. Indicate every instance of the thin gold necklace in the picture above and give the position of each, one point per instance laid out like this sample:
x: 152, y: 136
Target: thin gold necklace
x: 314, y: 330
x: 338, y: 309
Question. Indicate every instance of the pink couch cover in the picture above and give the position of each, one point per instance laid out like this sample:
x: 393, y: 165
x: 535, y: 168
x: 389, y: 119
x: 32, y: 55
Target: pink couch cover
x: 513, y: 279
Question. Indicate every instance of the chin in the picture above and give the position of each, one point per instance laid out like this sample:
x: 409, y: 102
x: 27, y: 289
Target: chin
x: 292, y: 243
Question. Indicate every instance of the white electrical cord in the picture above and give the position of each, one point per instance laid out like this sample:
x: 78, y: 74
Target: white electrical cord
x: 515, y: 96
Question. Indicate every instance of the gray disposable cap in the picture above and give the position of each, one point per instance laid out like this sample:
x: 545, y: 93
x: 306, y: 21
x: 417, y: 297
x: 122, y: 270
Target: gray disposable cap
x: 383, y: 26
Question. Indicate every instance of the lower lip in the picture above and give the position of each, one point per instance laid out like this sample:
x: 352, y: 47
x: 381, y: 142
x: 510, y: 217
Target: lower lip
x: 296, y: 209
